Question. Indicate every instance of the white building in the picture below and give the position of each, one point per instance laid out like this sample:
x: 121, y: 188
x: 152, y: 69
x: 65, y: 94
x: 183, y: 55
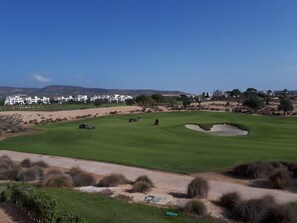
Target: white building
x: 112, y: 98
x: 18, y: 100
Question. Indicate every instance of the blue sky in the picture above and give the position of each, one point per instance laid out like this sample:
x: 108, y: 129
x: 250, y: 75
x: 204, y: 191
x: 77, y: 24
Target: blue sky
x: 188, y: 45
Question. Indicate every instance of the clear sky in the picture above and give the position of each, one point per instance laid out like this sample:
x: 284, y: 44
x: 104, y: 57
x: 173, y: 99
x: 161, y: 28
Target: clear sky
x: 188, y: 45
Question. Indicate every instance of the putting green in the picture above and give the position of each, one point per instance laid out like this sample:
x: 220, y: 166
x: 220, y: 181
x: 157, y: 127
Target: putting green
x: 170, y: 146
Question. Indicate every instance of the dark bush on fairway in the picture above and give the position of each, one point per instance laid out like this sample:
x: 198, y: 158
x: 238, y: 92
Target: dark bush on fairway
x: 141, y: 187
x: 229, y: 200
x: 195, y: 207
x: 280, y: 179
x: 6, y: 163
x: 57, y: 181
x: 81, y: 178
x: 40, y: 164
x: 113, y: 180
x: 281, y: 214
x: 198, y: 188
x: 146, y: 179
x: 26, y: 163
x: 253, y: 170
x: 254, y: 210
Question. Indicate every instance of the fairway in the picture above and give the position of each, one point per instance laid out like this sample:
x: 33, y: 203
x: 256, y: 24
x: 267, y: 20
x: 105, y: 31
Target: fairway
x: 170, y: 146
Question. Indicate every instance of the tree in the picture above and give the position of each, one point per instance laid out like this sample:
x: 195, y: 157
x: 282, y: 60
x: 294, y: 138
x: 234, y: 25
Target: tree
x: 145, y: 101
x: 158, y: 98
x: 253, y: 102
x: 98, y: 102
x: 285, y: 105
x: 2, y: 102
x: 217, y: 95
x: 130, y: 101
x: 235, y: 93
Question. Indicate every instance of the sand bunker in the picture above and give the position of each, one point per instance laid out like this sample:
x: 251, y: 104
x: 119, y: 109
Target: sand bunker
x: 220, y: 130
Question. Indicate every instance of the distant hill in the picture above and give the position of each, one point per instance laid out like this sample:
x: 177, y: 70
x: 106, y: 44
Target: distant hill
x: 59, y: 90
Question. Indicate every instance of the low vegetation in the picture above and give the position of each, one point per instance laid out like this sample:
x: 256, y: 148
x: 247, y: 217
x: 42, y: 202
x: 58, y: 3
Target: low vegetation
x: 57, y: 181
x: 141, y: 187
x: 81, y: 178
x: 145, y: 179
x: 280, y: 179
x: 195, y: 207
x: 198, y: 188
x: 113, y: 180
x: 229, y: 200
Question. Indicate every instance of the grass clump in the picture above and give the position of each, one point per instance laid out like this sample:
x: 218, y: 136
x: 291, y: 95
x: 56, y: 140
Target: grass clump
x: 57, y: 181
x: 141, y: 187
x: 81, y: 178
x: 280, y: 179
x: 281, y: 214
x: 253, y: 210
x: 6, y: 163
x: 53, y: 171
x: 195, y: 207
x: 113, y: 180
x: 30, y: 174
x: 229, y: 200
x: 145, y: 179
x: 26, y: 163
x: 198, y: 187
x: 40, y: 163
x: 11, y: 174
x: 254, y: 170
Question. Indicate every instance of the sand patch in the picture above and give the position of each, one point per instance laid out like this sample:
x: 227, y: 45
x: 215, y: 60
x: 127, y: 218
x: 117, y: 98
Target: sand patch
x: 219, y: 130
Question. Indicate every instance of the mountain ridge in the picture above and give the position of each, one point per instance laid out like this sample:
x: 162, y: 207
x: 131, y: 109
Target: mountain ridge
x: 64, y: 90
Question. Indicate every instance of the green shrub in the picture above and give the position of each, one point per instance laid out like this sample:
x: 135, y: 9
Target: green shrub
x: 254, y: 210
x: 229, y: 200
x: 38, y: 204
x: 69, y: 217
x: 57, y: 181
x: 146, y: 179
x: 280, y: 179
x: 81, y: 178
x: 113, y: 180
x: 141, y: 187
x: 195, y: 207
x: 198, y: 187
x: 26, y: 163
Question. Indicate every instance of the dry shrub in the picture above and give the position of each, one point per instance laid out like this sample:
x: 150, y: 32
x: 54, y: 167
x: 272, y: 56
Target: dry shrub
x: 113, y: 180
x: 293, y: 168
x: 40, y: 164
x: 81, y: 178
x: 145, y: 179
x: 281, y: 214
x: 11, y: 174
x: 53, y: 171
x: 26, y: 163
x: 198, y: 188
x: 57, y: 181
x: 253, y: 170
x: 141, y: 187
x: 195, y: 207
x: 254, y: 210
x: 229, y: 200
x: 280, y: 179
x: 6, y: 163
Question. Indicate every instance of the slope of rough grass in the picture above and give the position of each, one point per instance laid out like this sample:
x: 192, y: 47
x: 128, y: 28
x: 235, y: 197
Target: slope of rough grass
x: 97, y: 208
x: 169, y: 146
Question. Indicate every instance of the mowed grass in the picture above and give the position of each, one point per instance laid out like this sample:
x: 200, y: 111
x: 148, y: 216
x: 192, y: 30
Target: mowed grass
x: 170, y: 146
x: 96, y: 208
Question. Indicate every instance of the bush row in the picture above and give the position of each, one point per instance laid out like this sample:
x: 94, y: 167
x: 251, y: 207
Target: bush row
x: 39, y: 206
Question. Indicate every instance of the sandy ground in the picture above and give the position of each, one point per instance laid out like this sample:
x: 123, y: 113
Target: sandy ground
x: 27, y: 116
x: 165, y: 183
x: 219, y: 130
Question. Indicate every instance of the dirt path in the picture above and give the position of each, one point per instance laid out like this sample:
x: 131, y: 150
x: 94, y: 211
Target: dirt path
x: 163, y: 180
x: 10, y: 213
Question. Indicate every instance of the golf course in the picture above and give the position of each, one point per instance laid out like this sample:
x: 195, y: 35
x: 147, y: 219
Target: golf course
x: 169, y: 146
